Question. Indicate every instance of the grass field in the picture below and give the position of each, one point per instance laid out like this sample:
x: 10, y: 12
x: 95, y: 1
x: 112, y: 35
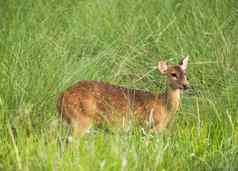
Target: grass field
x: 47, y: 45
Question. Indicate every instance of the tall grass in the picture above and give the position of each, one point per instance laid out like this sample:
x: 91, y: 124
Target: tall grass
x: 46, y: 46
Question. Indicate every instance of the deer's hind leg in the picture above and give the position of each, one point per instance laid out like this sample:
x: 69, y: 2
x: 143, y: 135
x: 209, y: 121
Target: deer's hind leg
x: 79, y: 121
x: 80, y: 125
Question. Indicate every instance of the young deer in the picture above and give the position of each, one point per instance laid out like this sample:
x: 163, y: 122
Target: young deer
x: 93, y: 101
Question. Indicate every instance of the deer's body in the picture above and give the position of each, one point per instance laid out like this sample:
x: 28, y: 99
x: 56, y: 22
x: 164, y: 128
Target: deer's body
x: 94, y: 101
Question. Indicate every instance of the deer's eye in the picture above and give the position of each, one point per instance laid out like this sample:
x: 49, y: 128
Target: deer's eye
x: 174, y: 75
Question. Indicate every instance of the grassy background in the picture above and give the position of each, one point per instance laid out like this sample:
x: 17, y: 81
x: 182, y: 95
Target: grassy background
x: 47, y: 45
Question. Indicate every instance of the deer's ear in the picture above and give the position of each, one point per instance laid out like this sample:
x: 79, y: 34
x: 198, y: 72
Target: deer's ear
x: 163, y: 67
x: 184, y: 63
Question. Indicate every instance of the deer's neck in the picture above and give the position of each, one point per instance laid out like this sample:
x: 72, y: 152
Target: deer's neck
x: 171, y: 99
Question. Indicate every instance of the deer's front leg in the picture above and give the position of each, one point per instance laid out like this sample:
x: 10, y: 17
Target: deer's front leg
x: 158, y: 128
x: 161, y: 121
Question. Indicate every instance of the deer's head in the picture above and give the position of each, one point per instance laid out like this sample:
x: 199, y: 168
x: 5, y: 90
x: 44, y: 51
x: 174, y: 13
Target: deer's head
x: 176, y: 74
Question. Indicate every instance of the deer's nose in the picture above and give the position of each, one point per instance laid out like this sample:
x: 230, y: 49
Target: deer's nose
x: 185, y: 86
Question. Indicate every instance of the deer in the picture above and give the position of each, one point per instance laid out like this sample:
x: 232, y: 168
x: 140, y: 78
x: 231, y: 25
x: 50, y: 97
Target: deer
x: 91, y: 102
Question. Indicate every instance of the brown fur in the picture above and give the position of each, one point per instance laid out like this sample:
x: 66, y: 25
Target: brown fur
x: 95, y: 101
